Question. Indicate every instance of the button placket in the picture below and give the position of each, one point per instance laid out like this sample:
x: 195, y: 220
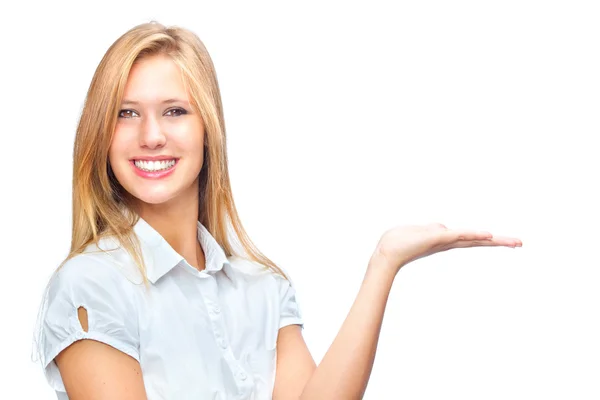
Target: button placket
x: 210, y: 297
x: 212, y: 305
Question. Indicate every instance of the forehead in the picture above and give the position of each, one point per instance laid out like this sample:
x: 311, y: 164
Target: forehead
x: 153, y: 79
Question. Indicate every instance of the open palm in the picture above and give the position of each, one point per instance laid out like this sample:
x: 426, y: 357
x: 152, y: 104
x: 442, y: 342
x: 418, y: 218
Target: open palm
x: 403, y: 244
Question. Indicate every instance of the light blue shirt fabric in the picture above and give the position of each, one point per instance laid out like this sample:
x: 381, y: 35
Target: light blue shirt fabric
x: 207, y: 334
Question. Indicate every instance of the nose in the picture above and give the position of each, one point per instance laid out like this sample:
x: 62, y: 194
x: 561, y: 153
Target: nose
x: 151, y: 134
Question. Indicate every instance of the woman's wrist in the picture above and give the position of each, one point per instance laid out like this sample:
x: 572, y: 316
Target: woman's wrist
x: 380, y: 268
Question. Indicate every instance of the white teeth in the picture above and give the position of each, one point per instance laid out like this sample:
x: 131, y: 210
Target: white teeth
x: 154, y: 165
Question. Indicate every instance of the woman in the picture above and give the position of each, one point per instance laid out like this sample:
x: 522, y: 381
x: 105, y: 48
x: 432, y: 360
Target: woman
x: 154, y: 301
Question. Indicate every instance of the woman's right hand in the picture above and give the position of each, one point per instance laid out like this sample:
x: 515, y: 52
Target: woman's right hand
x: 403, y: 244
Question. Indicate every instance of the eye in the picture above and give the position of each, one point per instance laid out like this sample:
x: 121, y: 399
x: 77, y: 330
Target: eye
x: 126, y: 111
x: 178, y: 111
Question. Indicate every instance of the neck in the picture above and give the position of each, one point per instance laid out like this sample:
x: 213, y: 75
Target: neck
x: 177, y: 222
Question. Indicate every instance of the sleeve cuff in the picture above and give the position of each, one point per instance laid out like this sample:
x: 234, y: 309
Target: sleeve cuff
x: 291, y: 321
x: 51, y: 369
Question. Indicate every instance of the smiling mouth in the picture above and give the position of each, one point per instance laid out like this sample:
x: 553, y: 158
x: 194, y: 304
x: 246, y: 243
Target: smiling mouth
x: 154, y: 166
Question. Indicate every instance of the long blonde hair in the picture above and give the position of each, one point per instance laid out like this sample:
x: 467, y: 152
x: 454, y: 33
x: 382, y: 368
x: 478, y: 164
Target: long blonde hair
x: 98, y: 198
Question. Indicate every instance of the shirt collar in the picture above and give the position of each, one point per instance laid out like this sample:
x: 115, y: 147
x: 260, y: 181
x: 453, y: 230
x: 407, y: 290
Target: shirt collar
x: 160, y: 257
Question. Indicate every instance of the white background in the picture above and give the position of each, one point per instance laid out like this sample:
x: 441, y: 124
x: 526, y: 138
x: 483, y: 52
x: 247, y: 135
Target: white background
x: 344, y: 120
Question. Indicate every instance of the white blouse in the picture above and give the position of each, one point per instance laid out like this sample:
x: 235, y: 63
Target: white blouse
x: 208, y: 334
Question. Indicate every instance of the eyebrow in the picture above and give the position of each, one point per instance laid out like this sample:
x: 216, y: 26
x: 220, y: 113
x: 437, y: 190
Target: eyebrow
x: 168, y: 101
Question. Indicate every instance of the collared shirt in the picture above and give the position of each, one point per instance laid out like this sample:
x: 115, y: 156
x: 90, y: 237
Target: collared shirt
x: 207, y: 334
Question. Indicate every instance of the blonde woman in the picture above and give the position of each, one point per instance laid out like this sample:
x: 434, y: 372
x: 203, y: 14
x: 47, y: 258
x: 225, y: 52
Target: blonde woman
x: 154, y: 300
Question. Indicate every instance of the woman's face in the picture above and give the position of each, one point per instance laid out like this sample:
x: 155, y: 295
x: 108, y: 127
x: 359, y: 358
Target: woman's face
x: 157, y: 149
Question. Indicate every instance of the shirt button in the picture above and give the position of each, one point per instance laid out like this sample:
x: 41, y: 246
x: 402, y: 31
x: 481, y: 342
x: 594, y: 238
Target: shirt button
x: 217, y: 309
x: 79, y: 335
x: 222, y: 343
x: 243, y: 376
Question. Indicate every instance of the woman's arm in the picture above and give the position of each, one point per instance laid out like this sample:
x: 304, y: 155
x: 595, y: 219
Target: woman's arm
x: 98, y: 355
x: 94, y: 370
x: 346, y: 367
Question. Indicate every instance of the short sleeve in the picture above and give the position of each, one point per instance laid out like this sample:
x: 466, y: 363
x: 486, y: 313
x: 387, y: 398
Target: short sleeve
x: 289, y: 307
x: 106, y: 295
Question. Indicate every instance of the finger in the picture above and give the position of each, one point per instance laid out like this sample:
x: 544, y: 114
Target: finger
x: 517, y: 241
x: 460, y: 235
x: 495, y: 242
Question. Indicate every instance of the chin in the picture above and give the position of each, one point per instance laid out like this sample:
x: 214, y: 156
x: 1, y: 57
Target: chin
x: 156, y: 197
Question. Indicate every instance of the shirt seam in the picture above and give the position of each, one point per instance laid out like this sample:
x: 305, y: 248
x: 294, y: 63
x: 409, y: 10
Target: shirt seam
x: 97, y: 336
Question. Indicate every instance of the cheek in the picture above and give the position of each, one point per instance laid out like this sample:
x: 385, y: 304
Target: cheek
x: 117, y: 153
x: 112, y: 155
x: 118, y: 145
x: 188, y: 140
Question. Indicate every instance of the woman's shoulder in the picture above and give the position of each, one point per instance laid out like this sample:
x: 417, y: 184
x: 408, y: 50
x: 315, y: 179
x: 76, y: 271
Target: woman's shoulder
x: 250, y: 268
x: 97, y: 265
x: 84, y: 266
x: 247, y: 266
x: 281, y: 288
x: 91, y: 281
x: 254, y: 270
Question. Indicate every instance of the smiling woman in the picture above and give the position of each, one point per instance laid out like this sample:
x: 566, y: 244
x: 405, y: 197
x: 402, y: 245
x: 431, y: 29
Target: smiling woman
x: 139, y: 156
x: 153, y: 284
x: 153, y: 300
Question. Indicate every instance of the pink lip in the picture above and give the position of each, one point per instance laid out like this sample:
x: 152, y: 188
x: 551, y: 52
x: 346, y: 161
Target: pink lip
x: 155, y: 174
